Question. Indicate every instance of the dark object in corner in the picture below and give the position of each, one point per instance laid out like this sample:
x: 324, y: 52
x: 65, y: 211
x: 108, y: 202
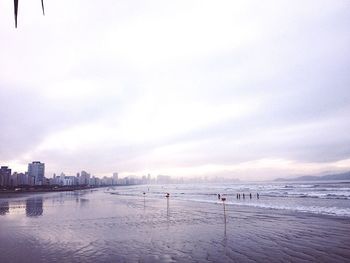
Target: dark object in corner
x: 15, y: 2
x: 42, y: 6
x: 16, y: 11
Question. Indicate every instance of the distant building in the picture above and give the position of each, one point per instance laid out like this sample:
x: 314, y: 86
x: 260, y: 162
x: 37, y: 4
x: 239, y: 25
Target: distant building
x: 115, y: 179
x: 84, y: 178
x: 36, y: 170
x: 70, y: 180
x: 19, y: 179
x: 22, y: 179
x: 5, y: 176
x: 61, y: 178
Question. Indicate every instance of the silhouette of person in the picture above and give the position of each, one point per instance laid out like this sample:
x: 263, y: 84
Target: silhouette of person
x: 243, y: 196
x: 257, y: 195
x: 219, y: 196
x: 250, y: 195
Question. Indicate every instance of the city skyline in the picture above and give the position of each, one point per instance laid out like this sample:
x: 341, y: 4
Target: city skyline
x: 258, y: 91
x: 35, y: 177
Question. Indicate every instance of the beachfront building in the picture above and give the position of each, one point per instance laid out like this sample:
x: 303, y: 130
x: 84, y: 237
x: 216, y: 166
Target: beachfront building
x: 84, y: 178
x: 19, y: 179
x: 106, y: 180
x: 70, y: 181
x: 22, y: 178
x: 36, y: 170
x: 115, y: 179
x: 5, y: 176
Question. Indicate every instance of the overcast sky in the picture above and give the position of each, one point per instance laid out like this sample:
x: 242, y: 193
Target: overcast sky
x: 248, y: 89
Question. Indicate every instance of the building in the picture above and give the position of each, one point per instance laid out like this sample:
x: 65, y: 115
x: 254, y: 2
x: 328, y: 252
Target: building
x: 36, y: 170
x: 115, y: 179
x: 22, y: 179
x: 70, y: 181
x: 84, y: 178
x: 5, y: 176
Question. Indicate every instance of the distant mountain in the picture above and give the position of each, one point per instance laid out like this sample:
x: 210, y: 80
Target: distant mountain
x: 340, y: 176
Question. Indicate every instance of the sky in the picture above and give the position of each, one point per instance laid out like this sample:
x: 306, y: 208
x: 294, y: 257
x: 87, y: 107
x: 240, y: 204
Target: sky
x: 239, y: 89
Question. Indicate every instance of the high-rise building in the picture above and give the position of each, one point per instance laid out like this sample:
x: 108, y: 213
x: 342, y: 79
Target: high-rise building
x: 22, y: 178
x: 36, y: 170
x: 115, y: 179
x: 5, y: 175
x: 84, y: 178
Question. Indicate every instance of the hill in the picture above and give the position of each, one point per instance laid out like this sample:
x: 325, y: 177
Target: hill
x: 339, y: 176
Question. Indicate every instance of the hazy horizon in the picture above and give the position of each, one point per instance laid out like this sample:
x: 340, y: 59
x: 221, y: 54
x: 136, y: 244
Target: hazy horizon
x: 242, y: 89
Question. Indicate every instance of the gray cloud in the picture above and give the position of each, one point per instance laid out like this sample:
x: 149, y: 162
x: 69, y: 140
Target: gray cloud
x: 134, y: 86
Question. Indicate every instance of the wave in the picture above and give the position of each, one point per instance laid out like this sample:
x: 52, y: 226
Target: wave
x: 272, y: 194
x: 333, y: 211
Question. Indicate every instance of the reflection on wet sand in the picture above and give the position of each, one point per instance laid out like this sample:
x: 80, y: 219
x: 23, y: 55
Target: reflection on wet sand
x: 83, y: 202
x: 34, y: 206
x: 4, y: 208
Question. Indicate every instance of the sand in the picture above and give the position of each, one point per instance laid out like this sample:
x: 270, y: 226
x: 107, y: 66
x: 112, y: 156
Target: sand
x: 100, y: 227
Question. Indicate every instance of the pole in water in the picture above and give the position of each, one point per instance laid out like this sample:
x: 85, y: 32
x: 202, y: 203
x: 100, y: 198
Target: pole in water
x: 167, y: 203
x: 223, y: 199
x: 144, y: 200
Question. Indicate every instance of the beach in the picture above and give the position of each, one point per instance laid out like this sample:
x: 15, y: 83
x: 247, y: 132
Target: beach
x: 111, y: 226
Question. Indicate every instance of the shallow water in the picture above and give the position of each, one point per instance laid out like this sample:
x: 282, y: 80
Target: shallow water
x: 102, y: 226
x: 330, y: 198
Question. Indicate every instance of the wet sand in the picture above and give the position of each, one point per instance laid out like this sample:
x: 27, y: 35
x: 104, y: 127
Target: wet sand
x: 100, y: 227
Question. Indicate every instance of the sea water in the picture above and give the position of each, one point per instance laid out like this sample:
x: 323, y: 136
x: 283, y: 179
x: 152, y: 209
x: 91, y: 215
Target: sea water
x: 330, y: 198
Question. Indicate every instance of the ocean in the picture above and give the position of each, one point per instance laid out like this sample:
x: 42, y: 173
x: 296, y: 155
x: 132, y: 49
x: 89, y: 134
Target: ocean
x: 329, y: 198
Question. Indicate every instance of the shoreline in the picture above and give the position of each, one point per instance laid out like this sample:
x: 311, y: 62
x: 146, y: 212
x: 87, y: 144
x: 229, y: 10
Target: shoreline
x: 18, y: 191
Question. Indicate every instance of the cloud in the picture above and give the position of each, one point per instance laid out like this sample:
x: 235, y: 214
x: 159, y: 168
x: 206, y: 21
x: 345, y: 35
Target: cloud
x: 184, y: 88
